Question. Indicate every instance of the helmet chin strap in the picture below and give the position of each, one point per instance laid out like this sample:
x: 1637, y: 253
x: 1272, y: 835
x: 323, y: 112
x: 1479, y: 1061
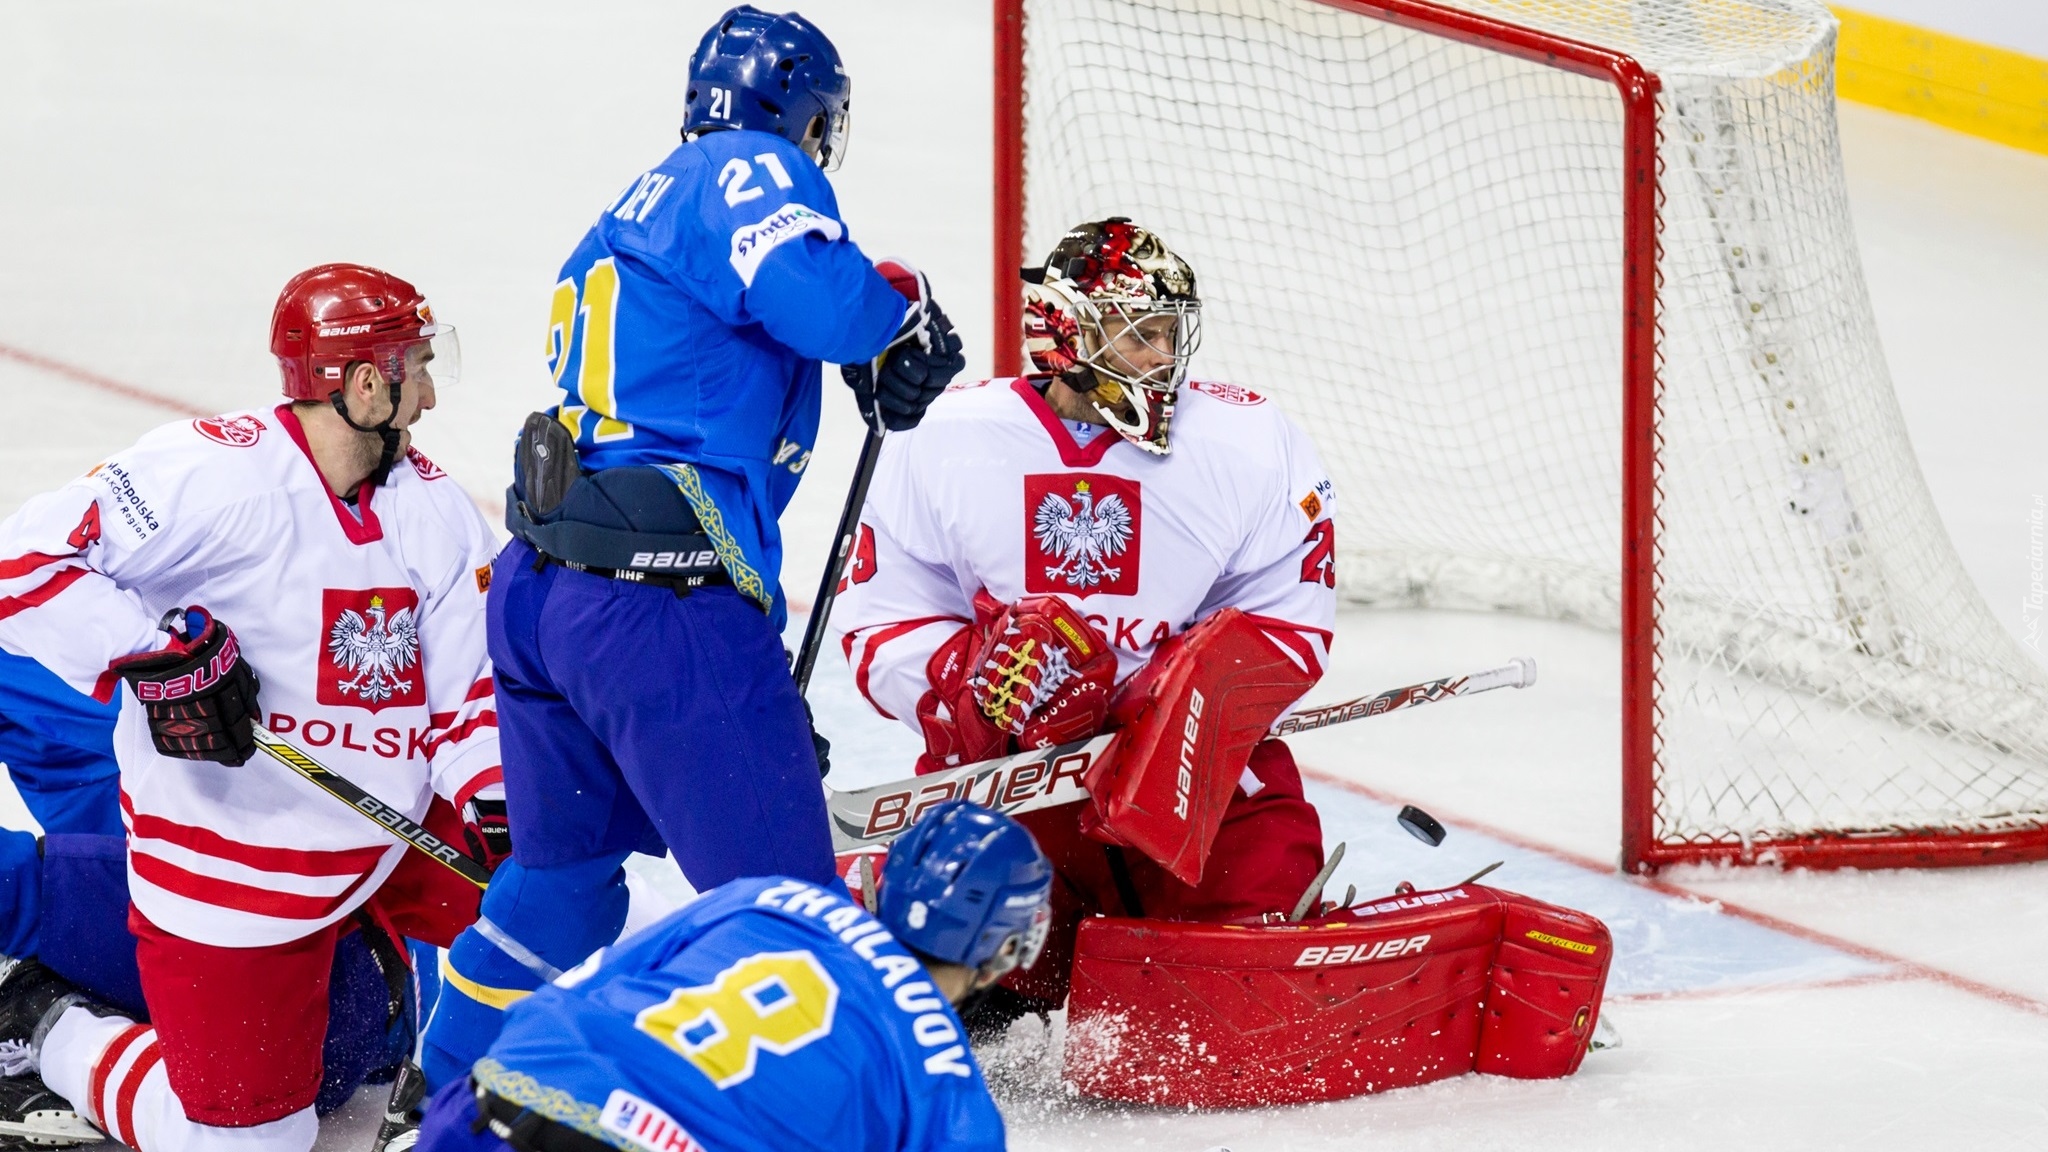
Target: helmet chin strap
x: 1135, y: 431
x: 1096, y: 382
x: 387, y: 432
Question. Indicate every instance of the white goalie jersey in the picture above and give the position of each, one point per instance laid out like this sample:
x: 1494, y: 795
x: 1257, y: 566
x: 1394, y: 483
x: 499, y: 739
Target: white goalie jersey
x: 364, y: 624
x: 994, y: 491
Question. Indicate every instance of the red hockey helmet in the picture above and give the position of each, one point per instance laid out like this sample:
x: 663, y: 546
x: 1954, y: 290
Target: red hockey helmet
x: 1115, y: 312
x: 337, y: 314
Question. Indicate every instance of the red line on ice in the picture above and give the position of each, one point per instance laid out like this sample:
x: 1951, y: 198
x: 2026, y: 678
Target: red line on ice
x: 93, y: 379
x: 493, y: 507
x: 1914, y: 968
x: 1889, y: 976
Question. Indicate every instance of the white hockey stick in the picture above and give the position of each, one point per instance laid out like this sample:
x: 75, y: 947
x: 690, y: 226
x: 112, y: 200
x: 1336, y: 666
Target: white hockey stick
x: 867, y: 819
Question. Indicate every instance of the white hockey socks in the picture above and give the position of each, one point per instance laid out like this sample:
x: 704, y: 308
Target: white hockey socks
x: 111, y: 1070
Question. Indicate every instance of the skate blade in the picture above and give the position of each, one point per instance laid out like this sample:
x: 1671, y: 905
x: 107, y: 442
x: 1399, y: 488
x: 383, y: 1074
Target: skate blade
x: 51, y: 1129
x: 1605, y: 1036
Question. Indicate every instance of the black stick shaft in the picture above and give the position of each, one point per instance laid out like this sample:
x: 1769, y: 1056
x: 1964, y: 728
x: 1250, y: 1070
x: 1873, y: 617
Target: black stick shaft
x: 372, y: 809
x: 828, y: 587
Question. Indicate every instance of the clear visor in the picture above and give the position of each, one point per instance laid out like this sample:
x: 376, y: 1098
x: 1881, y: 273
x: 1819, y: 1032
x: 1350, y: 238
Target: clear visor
x: 1033, y: 941
x: 1021, y: 951
x: 436, y: 360
x: 1145, y: 345
x: 838, y: 128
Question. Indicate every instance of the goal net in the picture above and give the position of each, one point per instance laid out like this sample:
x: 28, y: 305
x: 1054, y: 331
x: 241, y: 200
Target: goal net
x: 1568, y: 295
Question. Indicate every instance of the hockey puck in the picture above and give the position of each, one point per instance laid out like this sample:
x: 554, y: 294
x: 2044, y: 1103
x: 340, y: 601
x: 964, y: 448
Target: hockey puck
x: 1421, y: 825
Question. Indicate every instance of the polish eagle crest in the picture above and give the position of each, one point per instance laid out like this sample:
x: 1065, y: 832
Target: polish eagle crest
x: 1084, y: 535
x: 377, y: 648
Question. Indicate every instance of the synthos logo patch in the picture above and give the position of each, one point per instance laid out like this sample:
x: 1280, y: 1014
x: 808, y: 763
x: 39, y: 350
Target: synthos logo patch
x: 370, y: 648
x: 1081, y: 533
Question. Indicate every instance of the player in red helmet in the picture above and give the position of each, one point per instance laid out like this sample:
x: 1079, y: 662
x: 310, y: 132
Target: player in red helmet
x: 353, y: 572
x: 339, y: 317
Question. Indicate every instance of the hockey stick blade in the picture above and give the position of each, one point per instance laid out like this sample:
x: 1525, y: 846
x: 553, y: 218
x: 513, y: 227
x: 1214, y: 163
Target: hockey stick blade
x: 372, y: 809
x: 1517, y: 673
x: 867, y: 819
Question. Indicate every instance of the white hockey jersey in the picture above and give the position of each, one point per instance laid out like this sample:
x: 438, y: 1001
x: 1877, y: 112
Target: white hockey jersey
x: 364, y: 624
x: 994, y: 491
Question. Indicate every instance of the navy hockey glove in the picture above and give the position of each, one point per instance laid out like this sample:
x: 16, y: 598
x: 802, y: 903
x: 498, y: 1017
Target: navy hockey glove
x: 896, y: 387
x: 486, y: 831
x: 199, y: 694
x: 819, y: 744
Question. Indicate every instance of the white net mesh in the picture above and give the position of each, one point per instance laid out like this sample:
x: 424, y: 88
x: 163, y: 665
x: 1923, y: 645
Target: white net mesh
x: 1416, y: 244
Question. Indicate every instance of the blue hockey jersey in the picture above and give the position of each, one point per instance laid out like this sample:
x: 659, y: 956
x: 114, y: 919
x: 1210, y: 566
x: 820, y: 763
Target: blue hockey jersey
x: 769, y: 1015
x: 689, y: 326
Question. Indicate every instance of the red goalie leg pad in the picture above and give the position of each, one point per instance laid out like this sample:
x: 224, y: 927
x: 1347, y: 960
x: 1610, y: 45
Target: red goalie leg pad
x: 1219, y: 1016
x: 1192, y: 716
x: 1544, y: 998
x: 1419, y: 988
x: 1268, y: 849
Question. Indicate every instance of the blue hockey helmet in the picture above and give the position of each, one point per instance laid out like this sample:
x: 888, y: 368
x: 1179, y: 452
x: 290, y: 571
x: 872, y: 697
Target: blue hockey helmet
x: 963, y: 883
x: 770, y: 73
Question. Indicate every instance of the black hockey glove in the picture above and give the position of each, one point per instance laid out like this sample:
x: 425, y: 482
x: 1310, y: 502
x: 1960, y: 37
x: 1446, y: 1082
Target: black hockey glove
x: 897, y: 386
x: 822, y: 746
x: 199, y: 693
x: 486, y: 831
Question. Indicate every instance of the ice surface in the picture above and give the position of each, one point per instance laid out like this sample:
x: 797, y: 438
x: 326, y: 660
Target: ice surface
x: 167, y: 167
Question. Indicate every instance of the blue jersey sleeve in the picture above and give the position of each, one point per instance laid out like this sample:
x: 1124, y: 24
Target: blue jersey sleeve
x: 754, y: 233
x: 43, y: 720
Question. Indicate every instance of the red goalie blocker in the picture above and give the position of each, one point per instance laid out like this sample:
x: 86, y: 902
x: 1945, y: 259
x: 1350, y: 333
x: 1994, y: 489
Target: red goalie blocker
x: 1190, y: 718
x: 1418, y: 988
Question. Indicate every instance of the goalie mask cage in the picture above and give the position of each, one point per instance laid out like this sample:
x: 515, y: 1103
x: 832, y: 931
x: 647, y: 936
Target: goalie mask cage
x: 1567, y: 293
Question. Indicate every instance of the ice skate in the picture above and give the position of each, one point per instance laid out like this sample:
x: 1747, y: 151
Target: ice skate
x: 401, y: 1127
x: 31, y: 996
x: 32, y: 1116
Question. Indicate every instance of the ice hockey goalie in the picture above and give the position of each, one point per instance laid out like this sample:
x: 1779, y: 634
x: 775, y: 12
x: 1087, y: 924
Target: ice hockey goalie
x: 1107, y: 545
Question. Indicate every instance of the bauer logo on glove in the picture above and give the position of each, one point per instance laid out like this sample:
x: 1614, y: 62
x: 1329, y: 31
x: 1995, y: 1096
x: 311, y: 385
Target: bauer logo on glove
x: 198, y: 691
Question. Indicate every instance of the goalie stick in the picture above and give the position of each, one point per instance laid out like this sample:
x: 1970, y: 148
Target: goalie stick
x: 372, y: 809
x: 867, y: 819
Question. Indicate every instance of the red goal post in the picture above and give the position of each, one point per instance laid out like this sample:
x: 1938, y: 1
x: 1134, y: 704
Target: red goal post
x: 1738, y: 816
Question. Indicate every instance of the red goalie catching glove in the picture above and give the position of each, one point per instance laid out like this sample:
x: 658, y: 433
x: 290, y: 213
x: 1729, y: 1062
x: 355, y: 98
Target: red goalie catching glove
x: 955, y: 731
x: 1045, y: 660
x: 1043, y: 673
x: 1035, y: 670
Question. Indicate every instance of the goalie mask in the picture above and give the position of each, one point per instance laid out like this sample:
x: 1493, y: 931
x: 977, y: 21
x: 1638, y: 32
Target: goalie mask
x: 1115, y: 316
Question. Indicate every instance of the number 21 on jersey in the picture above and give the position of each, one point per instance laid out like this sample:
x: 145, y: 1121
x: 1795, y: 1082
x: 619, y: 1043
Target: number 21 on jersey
x: 596, y: 371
